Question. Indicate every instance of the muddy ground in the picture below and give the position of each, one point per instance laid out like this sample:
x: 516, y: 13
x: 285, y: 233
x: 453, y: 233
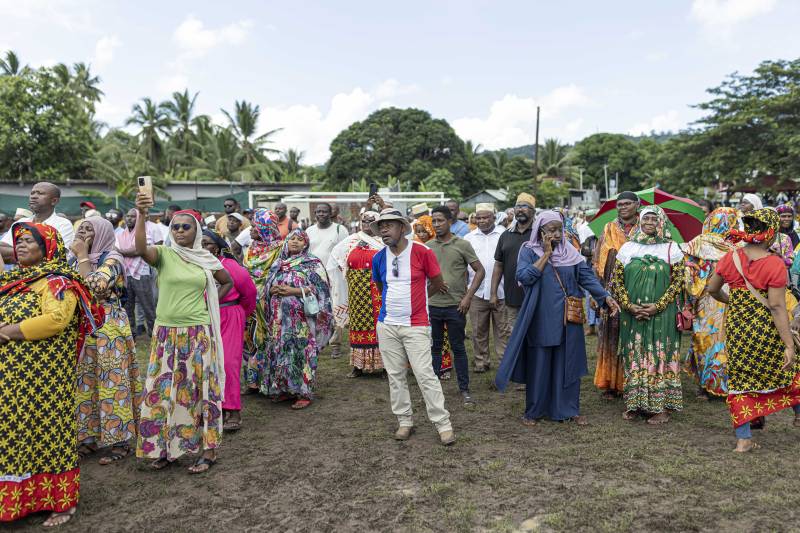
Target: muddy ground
x: 335, y: 467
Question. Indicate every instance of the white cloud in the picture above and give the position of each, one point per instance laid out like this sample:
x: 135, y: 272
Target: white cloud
x: 512, y: 120
x: 74, y: 15
x: 669, y: 121
x: 171, y: 83
x: 391, y: 88
x: 104, y: 50
x: 720, y: 17
x: 195, y: 40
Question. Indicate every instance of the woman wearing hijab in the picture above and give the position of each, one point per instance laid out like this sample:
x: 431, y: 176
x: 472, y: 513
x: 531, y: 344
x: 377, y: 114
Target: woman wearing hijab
x: 648, y: 278
x: 109, y: 390
x: 762, y: 375
x: 46, y: 312
x: 707, y: 359
x: 182, y: 407
x: 750, y: 203
x: 261, y: 254
x: 546, y: 351
x: 234, y: 309
x: 786, y: 214
x: 350, y: 272
x: 297, y: 306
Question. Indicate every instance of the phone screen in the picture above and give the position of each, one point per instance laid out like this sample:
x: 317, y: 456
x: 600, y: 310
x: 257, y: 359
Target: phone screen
x: 373, y: 189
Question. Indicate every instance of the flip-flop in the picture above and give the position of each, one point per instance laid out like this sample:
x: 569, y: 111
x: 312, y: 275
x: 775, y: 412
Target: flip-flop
x: 200, y: 462
x: 529, y: 422
x: 161, y: 464
x: 84, y: 451
x: 231, y: 426
x: 68, y: 514
x: 113, y: 456
x: 301, y: 404
x: 754, y: 447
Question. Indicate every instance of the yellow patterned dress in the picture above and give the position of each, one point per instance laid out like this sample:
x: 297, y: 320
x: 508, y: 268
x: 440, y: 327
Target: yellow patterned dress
x: 38, y: 459
x: 109, y: 388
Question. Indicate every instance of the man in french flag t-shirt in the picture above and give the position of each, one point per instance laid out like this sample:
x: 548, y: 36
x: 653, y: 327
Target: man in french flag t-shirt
x: 406, y: 272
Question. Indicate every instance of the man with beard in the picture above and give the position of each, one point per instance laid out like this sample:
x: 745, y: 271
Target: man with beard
x: 230, y: 205
x: 786, y: 213
x: 505, y: 259
x: 609, y: 375
x: 406, y: 273
x: 42, y: 200
x: 114, y: 216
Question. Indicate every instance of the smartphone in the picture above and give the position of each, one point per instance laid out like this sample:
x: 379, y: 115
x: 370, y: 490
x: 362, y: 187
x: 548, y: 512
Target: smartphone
x: 145, y: 185
x: 373, y: 189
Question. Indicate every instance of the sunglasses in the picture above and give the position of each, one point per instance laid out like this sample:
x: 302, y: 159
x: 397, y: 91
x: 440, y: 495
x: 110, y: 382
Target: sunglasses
x: 184, y: 227
x: 395, y: 267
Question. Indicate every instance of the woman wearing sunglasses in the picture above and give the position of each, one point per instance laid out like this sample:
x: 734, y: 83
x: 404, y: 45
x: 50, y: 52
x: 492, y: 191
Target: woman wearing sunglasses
x: 182, y: 407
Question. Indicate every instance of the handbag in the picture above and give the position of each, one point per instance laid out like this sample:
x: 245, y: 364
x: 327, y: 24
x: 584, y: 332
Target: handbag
x: 758, y: 296
x: 310, y: 303
x: 574, y: 312
x: 684, y: 320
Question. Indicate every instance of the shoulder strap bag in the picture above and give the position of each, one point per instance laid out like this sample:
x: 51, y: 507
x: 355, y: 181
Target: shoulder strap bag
x: 573, y: 306
x: 758, y: 296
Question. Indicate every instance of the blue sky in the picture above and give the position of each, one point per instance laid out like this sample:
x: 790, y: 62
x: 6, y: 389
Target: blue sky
x: 315, y: 67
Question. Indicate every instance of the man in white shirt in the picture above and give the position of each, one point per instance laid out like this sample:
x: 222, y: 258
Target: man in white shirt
x: 42, y: 200
x: 482, y: 313
x: 322, y: 237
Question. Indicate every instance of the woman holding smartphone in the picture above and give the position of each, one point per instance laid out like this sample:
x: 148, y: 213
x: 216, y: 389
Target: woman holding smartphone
x: 547, y: 350
x: 182, y: 407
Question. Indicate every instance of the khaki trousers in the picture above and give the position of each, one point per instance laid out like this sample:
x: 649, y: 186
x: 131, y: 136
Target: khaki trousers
x: 511, y: 318
x: 483, y: 316
x: 401, y: 346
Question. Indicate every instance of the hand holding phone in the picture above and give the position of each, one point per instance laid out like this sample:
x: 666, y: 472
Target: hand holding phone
x: 145, y: 185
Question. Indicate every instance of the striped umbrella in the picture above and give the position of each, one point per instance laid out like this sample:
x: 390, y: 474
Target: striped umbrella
x: 685, y: 217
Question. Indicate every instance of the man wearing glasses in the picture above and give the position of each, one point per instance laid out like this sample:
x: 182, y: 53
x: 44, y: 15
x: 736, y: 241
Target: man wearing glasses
x: 406, y: 273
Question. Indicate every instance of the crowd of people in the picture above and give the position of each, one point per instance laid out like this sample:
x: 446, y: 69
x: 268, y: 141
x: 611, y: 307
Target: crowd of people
x: 256, y: 295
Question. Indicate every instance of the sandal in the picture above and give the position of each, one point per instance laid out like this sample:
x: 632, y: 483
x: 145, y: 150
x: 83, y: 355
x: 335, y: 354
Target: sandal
x: 85, y: 450
x: 355, y: 373
x: 301, y: 404
x: 117, y: 454
x: 579, y: 420
x: 755, y: 446
x: 529, y: 422
x: 281, y: 398
x: 658, y: 419
x: 232, y: 426
x: 630, y: 415
x: 161, y: 464
x: 197, y: 467
x: 609, y: 395
x: 59, y: 519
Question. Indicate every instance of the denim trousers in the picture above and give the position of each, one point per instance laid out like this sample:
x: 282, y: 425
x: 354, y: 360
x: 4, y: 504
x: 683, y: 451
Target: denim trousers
x: 456, y: 324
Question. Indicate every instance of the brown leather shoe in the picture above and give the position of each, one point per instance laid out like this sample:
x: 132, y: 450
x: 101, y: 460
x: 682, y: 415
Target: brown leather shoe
x: 403, y: 433
x: 447, y: 437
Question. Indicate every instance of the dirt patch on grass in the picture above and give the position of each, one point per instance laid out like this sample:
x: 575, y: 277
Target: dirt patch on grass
x: 335, y: 467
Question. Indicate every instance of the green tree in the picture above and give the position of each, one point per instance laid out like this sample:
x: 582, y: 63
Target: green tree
x: 619, y: 152
x: 554, y: 160
x: 154, y: 126
x: 45, y: 130
x: 244, y: 122
x: 551, y: 193
x: 118, y: 161
x: 442, y: 180
x: 406, y: 143
x: 10, y: 65
x: 181, y: 110
x: 223, y: 159
x: 292, y: 167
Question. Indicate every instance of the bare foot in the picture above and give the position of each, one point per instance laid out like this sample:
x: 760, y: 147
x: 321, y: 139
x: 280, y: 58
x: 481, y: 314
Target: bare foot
x: 529, y: 422
x: 580, y: 420
x: 59, y: 519
x: 630, y: 415
x: 745, y: 445
x: 658, y: 419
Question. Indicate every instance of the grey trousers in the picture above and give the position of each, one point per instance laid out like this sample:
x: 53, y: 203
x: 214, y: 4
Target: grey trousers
x: 140, y: 291
x: 483, y: 318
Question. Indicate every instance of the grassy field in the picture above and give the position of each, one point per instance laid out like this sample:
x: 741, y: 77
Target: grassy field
x: 335, y: 467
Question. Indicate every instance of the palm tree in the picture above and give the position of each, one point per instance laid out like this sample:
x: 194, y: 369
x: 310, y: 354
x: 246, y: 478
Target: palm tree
x: 117, y: 162
x: 497, y: 165
x: 181, y: 110
x: 153, y: 121
x: 245, y: 125
x: 292, y: 164
x: 554, y: 160
x: 11, y: 66
x: 222, y: 158
x: 80, y: 81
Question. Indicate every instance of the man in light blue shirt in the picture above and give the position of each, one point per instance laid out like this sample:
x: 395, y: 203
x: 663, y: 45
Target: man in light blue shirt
x: 458, y: 227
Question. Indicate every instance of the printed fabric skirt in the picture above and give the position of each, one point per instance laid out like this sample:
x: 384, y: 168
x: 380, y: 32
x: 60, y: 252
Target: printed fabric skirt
x: 610, y: 372
x: 109, y: 390
x: 365, y: 302
x: 182, y: 406
x: 708, y: 359
x: 758, y: 385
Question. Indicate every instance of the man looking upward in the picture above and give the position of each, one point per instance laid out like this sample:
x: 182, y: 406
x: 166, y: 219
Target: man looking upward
x: 43, y: 198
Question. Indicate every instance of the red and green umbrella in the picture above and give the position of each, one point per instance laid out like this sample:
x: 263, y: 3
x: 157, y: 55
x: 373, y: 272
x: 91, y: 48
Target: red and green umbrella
x: 685, y: 217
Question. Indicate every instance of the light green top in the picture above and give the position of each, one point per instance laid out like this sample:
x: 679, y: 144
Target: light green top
x: 453, y: 256
x: 181, y: 299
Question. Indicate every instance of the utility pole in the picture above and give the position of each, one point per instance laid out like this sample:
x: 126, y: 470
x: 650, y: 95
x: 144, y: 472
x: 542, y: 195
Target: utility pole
x: 580, y: 182
x: 536, y: 152
x: 605, y: 174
